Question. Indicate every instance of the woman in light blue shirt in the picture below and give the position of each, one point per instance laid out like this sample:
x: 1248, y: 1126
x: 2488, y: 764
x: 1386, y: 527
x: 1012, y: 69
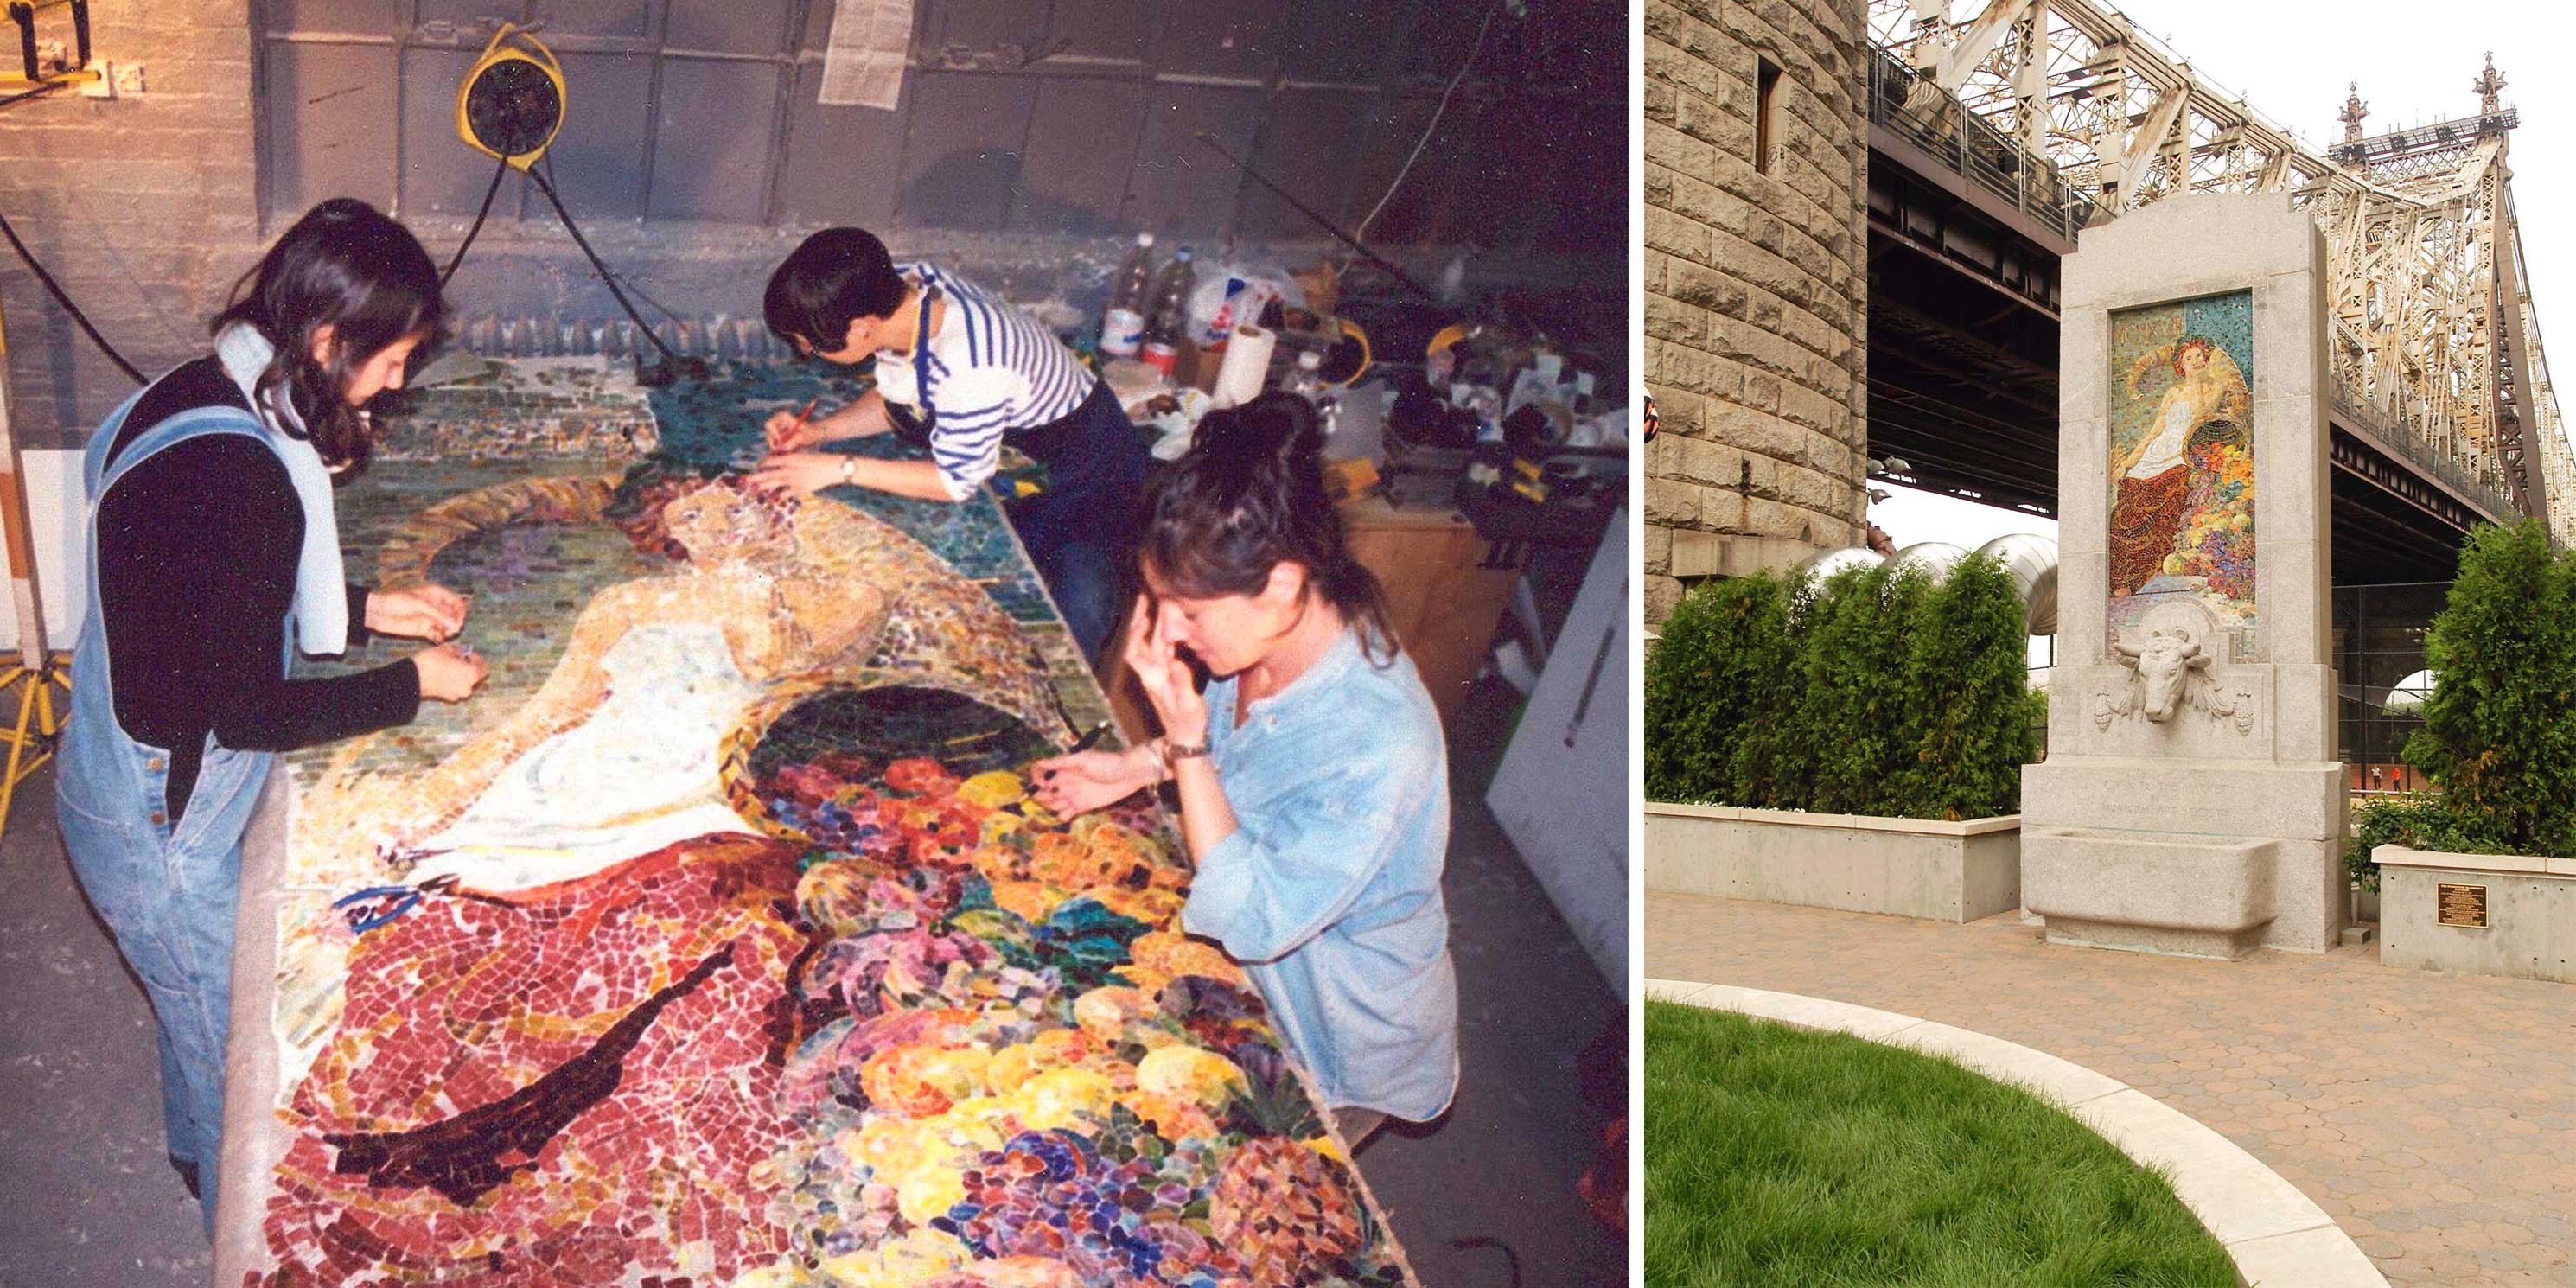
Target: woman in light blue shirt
x: 1312, y: 777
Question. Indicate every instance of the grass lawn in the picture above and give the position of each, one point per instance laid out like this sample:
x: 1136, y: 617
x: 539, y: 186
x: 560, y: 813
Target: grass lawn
x: 1776, y: 1155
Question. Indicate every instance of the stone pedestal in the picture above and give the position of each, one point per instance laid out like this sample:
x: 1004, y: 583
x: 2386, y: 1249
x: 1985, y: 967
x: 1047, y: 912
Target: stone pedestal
x: 2191, y: 802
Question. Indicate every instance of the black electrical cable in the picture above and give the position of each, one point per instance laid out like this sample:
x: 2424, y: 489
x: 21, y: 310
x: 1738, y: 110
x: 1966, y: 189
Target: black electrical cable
x: 69, y: 307
x: 548, y: 161
x: 1387, y: 266
x: 606, y: 277
x: 1513, y: 1259
x: 37, y: 92
x: 479, y: 212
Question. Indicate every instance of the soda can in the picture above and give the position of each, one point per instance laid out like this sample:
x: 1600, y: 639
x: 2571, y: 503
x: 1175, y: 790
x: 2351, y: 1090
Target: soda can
x: 1121, y: 330
x: 1162, y: 357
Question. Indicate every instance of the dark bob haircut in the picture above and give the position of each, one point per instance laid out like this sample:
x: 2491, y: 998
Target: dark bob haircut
x: 347, y: 266
x: 838, y: 275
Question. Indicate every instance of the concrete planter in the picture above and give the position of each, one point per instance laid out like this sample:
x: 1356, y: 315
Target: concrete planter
x: 1902, y: 866
x: 2528, y: 902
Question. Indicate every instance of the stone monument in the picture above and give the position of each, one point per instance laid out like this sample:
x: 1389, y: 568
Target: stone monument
x: 2191, y: 802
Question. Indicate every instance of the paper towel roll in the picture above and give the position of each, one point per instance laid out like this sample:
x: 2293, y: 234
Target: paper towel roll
x: 1246, y: 367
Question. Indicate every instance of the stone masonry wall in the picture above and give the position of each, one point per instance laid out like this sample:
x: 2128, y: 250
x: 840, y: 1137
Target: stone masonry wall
x: 1756, y: 289
x: 145, y: 208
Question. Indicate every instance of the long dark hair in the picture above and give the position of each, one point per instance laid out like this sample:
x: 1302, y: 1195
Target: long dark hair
x: 347, y: 266
x: 1249, y: 496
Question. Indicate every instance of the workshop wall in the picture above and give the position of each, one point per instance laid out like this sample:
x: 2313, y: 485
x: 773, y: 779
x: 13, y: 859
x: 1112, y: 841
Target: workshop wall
x: 1030, y: 142
x: 1756, y: 287
x: 144, y: 208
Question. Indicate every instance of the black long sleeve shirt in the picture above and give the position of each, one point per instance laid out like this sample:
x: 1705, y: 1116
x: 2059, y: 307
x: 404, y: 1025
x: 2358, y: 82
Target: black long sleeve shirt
x: 197, y: 554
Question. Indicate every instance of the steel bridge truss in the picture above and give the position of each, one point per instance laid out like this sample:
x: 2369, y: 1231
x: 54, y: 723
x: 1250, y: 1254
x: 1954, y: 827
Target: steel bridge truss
x: 2436, y: 339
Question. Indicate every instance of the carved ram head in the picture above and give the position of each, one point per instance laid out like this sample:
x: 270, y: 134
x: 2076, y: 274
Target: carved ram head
x: 2164, y: 665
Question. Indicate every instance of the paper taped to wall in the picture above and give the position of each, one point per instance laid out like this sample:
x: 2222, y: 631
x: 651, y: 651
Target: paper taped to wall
x: 863, y: 64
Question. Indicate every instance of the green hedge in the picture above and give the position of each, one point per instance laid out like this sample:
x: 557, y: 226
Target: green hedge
x: 1877, y: 692
x: 2417, y: 822
x: 2499, y: 736
x: 1726, y: 645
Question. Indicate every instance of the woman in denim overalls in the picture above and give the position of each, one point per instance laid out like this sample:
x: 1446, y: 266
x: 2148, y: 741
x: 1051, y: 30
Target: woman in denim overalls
x: 213, y: 557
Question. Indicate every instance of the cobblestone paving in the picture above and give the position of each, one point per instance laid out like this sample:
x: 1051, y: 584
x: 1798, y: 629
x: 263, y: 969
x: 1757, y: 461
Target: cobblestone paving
x: 2433, y: 1116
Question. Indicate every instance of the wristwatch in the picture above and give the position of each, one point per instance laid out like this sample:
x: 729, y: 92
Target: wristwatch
x: 1173, y: 753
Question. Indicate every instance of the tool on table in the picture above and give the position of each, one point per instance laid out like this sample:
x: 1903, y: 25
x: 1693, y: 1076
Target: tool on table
x: 793, y: 429
x: 1081, y: 745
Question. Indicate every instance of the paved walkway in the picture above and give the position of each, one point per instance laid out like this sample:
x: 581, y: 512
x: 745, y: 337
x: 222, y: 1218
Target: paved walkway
x: 2432, y: 1116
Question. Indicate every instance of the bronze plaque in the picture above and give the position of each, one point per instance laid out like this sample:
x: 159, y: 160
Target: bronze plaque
x: 2460, y: 905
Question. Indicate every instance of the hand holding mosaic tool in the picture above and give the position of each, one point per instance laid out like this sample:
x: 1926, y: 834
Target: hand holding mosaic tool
x: 1079, y: 782
x: 427, y: 612
x: 791, y: 433
x: 449, y: 672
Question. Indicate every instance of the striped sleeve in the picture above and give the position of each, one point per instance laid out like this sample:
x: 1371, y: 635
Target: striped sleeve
x: 966, y: 438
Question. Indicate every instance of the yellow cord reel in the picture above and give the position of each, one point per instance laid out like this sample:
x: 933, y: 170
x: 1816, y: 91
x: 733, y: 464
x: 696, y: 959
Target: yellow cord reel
x: 511, y: 105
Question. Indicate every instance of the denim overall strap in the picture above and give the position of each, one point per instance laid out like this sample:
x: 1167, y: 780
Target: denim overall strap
x: 911, y: 428
x: 169, y: 892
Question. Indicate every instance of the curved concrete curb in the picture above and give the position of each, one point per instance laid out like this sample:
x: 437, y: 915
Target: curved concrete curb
x: 2278, y: 1237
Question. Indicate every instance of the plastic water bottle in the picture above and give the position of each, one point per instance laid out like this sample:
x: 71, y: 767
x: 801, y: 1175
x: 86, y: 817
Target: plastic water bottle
x: 1170, y: 314
x: 1122, y: 325
x: 1307, y: 382
x: 1135, y: 276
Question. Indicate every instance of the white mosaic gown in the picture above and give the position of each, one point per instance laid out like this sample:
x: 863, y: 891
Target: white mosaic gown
x: 640, y: 774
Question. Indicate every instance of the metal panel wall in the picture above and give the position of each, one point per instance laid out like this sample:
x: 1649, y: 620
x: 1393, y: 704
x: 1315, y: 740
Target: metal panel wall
x: 1043, y: 116
x: 329, y: 114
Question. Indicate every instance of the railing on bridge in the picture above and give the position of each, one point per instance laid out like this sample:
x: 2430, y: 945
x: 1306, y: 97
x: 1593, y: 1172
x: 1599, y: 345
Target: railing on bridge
x: 2483, y: 488
x: 1911, y: 106
x: 2442, y: 134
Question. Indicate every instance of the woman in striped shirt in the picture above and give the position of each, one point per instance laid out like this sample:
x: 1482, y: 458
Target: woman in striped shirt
x: 961, y: 370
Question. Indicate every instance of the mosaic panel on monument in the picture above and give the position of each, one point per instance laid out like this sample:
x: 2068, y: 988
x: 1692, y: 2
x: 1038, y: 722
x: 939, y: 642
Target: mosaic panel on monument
x: 2182, y: 470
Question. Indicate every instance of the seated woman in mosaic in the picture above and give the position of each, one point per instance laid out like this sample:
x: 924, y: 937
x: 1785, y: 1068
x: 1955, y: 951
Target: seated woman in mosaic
x: 618, y: 752
x: 2206, y: 398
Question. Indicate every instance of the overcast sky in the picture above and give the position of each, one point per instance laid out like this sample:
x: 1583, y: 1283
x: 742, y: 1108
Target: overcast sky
x: 2292, y: 61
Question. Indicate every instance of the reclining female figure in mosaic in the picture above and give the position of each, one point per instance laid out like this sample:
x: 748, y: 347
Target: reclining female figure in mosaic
x: 618, y: 751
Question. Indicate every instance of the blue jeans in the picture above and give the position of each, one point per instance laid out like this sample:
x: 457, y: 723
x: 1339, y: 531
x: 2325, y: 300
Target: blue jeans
x: 1081, y: 532
x: 168, y: 891
x: 1088, y: 580
x: 171, y: 907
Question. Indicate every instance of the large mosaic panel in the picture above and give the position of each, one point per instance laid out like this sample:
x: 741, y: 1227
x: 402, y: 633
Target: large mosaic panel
x: 718, y: 941
x: 2182, y: 461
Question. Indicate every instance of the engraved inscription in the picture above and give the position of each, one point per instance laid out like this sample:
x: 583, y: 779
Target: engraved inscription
x: 2460, y: 905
